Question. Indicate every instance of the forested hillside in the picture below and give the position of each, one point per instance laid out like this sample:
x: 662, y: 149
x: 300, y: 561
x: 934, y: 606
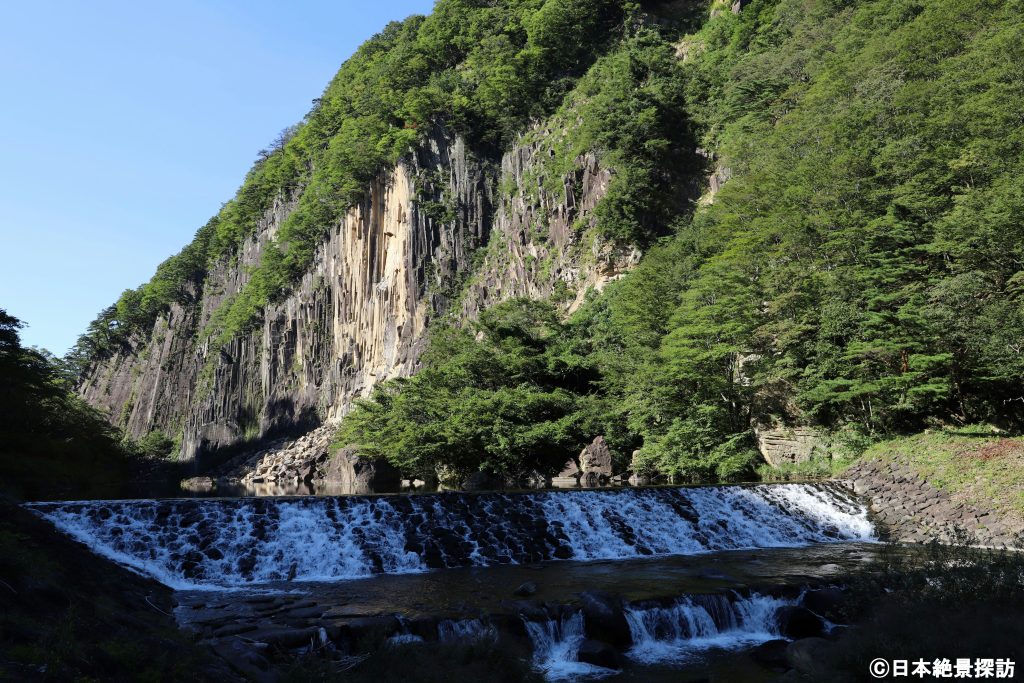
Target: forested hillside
x: 861, y: 270
x: 854, y: 267
x: 52, y: 443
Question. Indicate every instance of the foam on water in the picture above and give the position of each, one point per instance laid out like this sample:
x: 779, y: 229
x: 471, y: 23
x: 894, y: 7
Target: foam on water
x: 673, y: 634
x: 696, y: 624
x: 555, y: 646
x: 217, y: 543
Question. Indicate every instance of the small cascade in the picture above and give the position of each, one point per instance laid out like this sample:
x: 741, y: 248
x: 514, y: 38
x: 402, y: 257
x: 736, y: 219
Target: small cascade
x: 682, y: 631
x: 556, y: 643
x: 465, y: 630
x: 404, y: 635
x: 219, y: 543
x: 694, y: 624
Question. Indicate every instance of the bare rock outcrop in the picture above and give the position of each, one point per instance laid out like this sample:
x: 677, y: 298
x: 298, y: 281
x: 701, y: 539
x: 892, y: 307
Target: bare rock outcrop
x: 780, y: 444
x: 360, y: 314
x: 596, y: 463
x: 356, y: 473
x: 569, y: 475
x: 357, y: 317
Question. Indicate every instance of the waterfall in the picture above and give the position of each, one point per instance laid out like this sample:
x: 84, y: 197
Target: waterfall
x: 465, y: 630
x: 555, y: 644
x: 218, y: 543
x: 682, y: 631
x: 698, y: 623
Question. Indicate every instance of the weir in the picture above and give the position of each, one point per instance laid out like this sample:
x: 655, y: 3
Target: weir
x: 223, y: 543
x: 692, y: 624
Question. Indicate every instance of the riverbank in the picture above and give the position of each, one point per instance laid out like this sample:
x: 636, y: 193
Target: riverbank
x: 67, y: 614
x: 951, y: 486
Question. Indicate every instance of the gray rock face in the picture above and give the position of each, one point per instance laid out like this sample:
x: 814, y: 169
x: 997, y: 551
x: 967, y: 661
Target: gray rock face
x: 357, y: 474
x: 914, y: 511
x: 518, y: 263
x: 359, y: 315
x: 596, y: 463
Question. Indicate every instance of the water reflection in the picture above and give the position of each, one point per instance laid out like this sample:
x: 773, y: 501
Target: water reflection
x: 201, y: 487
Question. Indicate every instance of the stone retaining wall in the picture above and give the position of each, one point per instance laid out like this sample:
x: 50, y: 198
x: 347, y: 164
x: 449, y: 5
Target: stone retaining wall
x: 914, y: 511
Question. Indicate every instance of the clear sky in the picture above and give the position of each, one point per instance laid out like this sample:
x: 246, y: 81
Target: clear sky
x: 124, y: 126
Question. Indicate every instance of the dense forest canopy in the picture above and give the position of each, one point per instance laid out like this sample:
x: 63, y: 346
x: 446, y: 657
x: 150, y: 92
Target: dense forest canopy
x: 860, y: 270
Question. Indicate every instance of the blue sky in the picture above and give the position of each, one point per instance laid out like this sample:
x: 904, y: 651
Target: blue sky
x: 125, y: 125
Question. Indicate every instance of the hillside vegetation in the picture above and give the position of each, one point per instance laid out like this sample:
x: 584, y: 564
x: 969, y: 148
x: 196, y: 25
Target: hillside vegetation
x: 861, y: 270
x: 52, y: 443
x: 972, y: 464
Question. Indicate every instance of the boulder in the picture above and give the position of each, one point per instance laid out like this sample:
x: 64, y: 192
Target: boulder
x: 641, y: 473
x: 281, y: 636
x: 596, y: 463
x: 525, y: 589
x: 798, y: 622
x: 357, y: 474
x: 244, y: 659
x: 199, y: 485
x: 600, y: 654
x: 808, y: 655
x: 605, y: 619
x: 771, y: 654
x: 825, y: 602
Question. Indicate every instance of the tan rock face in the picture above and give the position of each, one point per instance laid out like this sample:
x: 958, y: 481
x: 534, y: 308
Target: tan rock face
x: 359, y: 315
x: 597, y: 458
x: 780, y: 444
x: 539, y: 238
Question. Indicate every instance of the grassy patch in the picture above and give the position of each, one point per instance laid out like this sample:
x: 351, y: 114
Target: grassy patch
x: 973, y: 464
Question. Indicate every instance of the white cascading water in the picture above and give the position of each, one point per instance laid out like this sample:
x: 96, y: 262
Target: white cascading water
x: 465, y: 630
x: 695, y: 624
x: 676, y: 633
x: 219, y: 543
x: 555, y: 646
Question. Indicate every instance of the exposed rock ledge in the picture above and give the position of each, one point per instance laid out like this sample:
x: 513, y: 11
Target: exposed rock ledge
x: 915, y: 511
x: 285, y: 462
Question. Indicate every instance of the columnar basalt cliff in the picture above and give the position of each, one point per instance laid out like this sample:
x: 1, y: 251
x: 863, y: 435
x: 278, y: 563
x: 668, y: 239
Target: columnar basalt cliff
x: 542, y: 238
x: 361, y: 312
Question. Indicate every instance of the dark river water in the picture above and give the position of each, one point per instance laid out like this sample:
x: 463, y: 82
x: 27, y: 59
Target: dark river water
x: 701, y: 571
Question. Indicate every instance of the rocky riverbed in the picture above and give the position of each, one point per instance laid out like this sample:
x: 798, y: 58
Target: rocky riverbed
x: 785, y: 591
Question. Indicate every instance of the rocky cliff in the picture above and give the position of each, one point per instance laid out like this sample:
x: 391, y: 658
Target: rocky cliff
x: 431, y: 231
x: 542, y: 239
